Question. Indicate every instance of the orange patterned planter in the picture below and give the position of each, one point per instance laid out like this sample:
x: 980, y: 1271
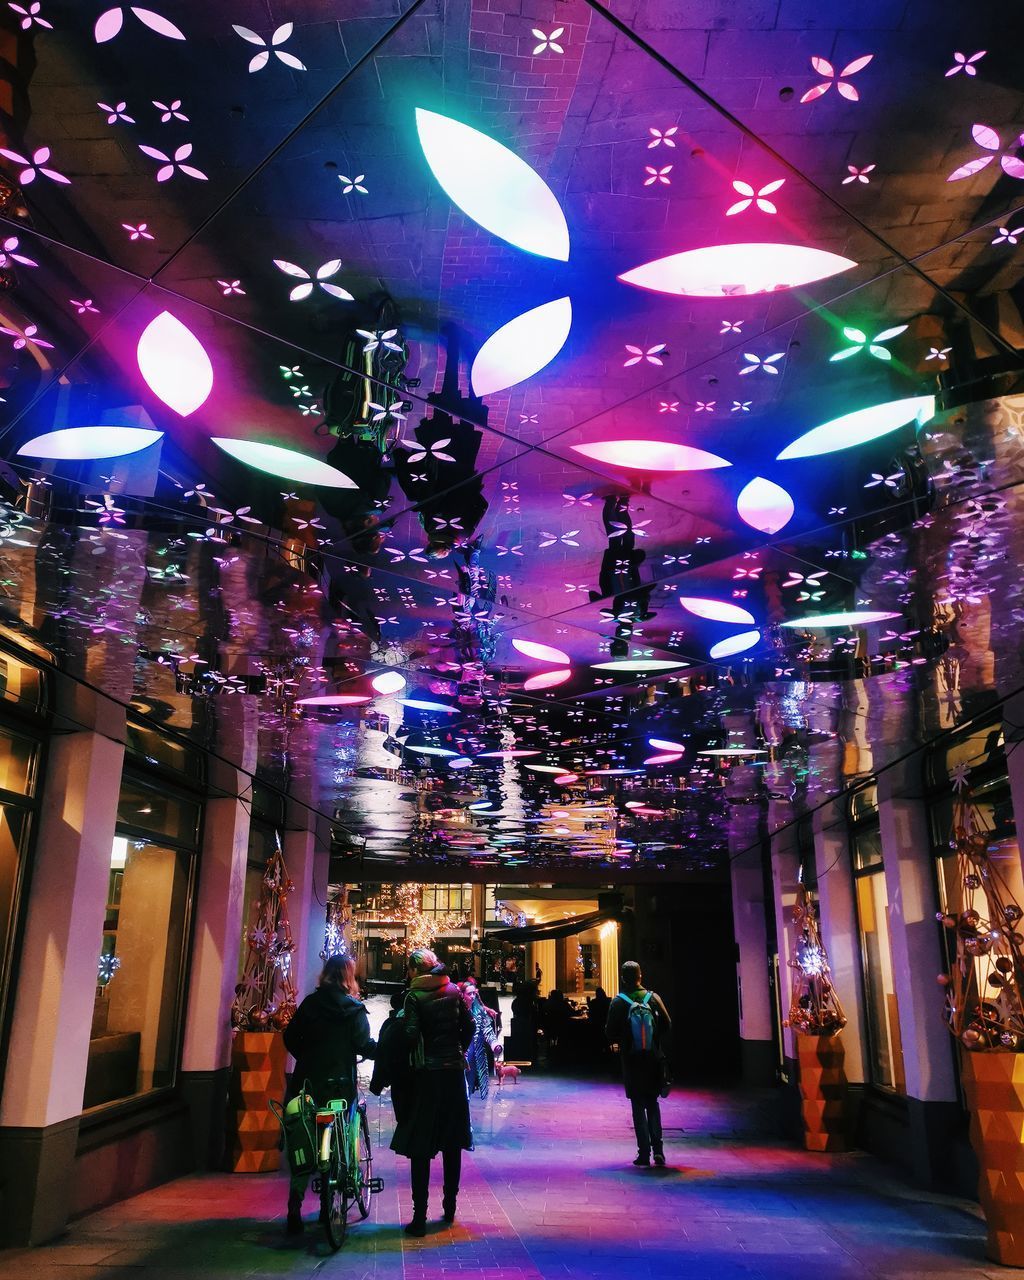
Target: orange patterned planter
x: 994, y: 1085
x: 257, y: 1075
x: 822, y: 1092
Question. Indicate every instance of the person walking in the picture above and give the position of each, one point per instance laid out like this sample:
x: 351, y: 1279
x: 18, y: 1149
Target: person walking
x: 438, y: 1031
x: 639, y: 1027
x: 326, y: 1032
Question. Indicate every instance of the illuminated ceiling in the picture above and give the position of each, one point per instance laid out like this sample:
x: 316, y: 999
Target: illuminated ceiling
x: 561, y: 364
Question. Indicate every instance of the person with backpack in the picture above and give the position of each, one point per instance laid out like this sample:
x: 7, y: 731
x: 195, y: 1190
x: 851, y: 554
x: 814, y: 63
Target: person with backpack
x: 639, y: 1027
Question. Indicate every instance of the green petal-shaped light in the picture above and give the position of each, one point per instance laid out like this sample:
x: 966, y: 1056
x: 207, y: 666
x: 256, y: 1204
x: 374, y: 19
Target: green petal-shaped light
x: 860, y: 426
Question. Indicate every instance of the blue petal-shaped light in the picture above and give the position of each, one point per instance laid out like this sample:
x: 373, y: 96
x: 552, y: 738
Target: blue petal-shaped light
x: 859, y: 427
x: 522, y: 347
x: 80, y: 444
x: 493, y: 186
x: 734, y: 644
x: 765, y: 505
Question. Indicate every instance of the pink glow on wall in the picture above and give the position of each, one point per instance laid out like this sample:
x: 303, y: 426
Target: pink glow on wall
x: 547, y: 679
x: 175, y: 364
x: 542, y: 652
x: 734, y: 270
x: 650, y: 455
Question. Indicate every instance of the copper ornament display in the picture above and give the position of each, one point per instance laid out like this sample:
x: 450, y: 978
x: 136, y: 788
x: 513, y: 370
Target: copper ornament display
x: 265, y: 997
x: 815, y: 1009
x: 983, y: 1006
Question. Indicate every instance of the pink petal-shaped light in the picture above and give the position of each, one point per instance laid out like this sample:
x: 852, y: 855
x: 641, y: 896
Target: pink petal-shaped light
x: 158, y: 23
x: 566, y: 779
x: 108, y: 25
x: 167, y: 172
x: 541, y: 652
x: 547, y: 679
x: 259, y: 61
x: 823, y: 67
x: 667, y: 757
x: 765, y: 506
x: 858, y: 64
x: 848, y: 91
x: 334, y: 700
x: 972, y: 166
x: 650, y: 455
x: 816, y: 92
x: 301, y: 291
x: 1013, y: 166
x: 512, y: 753
x: 290, y: 269
x: 985, y: 137
x: 175, y: 364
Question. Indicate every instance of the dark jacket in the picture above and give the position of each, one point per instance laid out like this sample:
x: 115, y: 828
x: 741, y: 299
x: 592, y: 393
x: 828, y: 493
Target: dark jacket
x: 642, y: 1073
x: 391, y: 1066
x: 435, y: 1008
x: 326, y: 1032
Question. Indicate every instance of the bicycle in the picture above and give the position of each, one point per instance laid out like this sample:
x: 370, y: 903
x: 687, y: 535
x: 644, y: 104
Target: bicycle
x: 344, y: 1167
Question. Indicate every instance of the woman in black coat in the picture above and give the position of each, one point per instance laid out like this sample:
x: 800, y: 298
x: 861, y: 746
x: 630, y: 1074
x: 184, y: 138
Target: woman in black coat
x: 438, y: 1030
x: 328, y: 1029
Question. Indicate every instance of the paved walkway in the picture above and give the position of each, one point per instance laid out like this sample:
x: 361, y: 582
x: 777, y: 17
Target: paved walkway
x: 550, y: 1192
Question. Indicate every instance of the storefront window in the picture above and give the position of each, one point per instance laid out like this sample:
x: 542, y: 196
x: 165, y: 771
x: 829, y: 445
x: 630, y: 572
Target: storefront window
x: 445, y: 899
x: 881, y: 1011
x: 18, y: 762
x: 137, y: 1011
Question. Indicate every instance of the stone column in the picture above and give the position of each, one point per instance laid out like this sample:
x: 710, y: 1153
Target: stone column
x: 220, y: 919
x: 307, y: 907
x: 933, y: 1111
x: 53, y: 1001
x: 785, y: 878
x: 746, y: 874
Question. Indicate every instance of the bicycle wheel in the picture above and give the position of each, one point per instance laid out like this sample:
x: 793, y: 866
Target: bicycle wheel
x: 333, y: 1201
x: 363, y: 1160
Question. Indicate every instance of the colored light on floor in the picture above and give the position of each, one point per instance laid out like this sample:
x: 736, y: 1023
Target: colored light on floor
x: 389, y: 682
x: 493, y: 186
x: 860, y: 426
x: 734, y: 644
x: 852, y: 618
x: 334, y: 700
x: 175, y: 364
x: 522, y: 347
x: 80, y: 444
x: 418, y: 704
x: 286, y: 464
x: 665, y: 744
x: 542, y: 652
x: 547, y: 679
x: 716, y: 610
x: 650, y: 455
x: 667, y: 757
x: 638, y: 665
x: 731, y: 270
x: 765, y: 506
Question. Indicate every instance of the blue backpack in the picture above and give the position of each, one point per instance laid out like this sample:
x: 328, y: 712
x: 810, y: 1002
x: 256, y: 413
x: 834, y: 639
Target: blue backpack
x: 640, y: 1021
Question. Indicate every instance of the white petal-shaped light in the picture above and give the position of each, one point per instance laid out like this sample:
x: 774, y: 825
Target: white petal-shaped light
x: 547, y: 679
x: 493, y: 186
x: 542, y: 652
x: 848, y: 618
x: 650, y: 455
x: 733, y: 270
x: 418, y: 704
x: 716, y: 610
x: 288, y: 464
x: 735, y: 644
x: 547, y: 768
x: 522, y: 347
x: 77, y: 444
x: 859, y: 427
x: 175, y: 364
x: 430, y: 751
x: 638, y: 664
x: 765, y: 506
x: 389, y: 682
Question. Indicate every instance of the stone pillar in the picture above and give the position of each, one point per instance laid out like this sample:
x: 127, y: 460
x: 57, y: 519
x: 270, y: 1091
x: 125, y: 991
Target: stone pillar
x: 837, y: 911
x: 220, y: 919
x: 753, y: 987
x: 933, y: 1111
x: 785, y: 878
x: 307, y: 907
x: 53, y: 1001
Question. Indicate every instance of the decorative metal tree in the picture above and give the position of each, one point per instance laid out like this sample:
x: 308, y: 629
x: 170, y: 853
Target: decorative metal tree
x: 984, y: 1012
x: 339, y: 917
x: 815, y: 1009
x: 817, y: 1016
x: 265, y: 996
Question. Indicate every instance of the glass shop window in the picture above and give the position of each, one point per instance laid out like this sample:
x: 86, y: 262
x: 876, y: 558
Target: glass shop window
x: 881, y: 1011
x: 445, y: 899
x: 138, y: 1008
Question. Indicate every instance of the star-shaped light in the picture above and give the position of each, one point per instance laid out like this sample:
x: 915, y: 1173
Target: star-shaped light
x: 825, y: 68
x: 960, y: 63
x: 547, y: 42
x: 352, y: 184
x: 754, y: 197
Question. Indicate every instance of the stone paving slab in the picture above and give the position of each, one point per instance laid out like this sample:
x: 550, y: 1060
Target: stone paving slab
x: 550, y: 1193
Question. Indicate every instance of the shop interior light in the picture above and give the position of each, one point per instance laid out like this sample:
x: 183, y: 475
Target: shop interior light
x: 650, y: 455
x: 860, y: 426
x: 731, y: 270
x: 734, y: 644
x: 286, y: 464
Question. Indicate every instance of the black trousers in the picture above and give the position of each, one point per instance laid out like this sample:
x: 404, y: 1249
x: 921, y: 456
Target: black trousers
x: 647, y: 1123
x: 419, y: 1167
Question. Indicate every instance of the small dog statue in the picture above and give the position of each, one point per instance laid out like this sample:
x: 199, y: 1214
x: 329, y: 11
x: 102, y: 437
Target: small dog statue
x: 502, y: 1070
